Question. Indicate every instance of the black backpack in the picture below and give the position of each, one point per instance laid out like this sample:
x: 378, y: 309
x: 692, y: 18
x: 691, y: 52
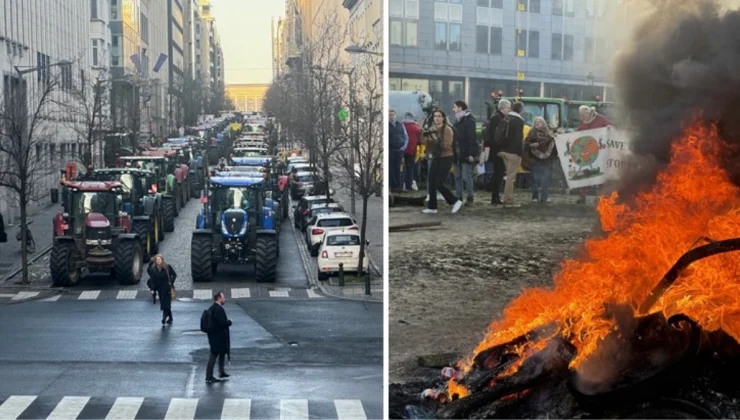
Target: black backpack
x: 206, y: 321
x: 502, y: 133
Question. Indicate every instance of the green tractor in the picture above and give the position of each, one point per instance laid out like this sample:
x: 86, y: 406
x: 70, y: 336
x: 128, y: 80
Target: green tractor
x: 236, y: 226
x: 166, y: 185
x: 142, y: 202
x: 559, y: 113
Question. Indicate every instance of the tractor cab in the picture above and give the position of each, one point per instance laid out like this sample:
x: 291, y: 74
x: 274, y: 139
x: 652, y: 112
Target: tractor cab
x: 95, y: 207
x: 137, y: 185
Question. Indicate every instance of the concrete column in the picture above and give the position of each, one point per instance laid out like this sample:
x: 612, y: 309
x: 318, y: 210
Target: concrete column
x: 542, y: 89
x: 467, y: 90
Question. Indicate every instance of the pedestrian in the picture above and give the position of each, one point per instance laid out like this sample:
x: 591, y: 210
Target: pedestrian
x: 162, y: 281
x: 397, y: 141
x: 3, y: 235
x: 218, y: 338
x: 499, y: 168
x: 439, y: 144
x: 509, y: 136
x: 467, y: 145
x: 413, y: 130
x: 539, y: 153
x: 590, y: 119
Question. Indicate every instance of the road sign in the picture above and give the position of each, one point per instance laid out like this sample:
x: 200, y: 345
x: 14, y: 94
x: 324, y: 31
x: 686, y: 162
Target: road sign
x: 520, y: 76
x: 520, y: 53
x: 343, y: 114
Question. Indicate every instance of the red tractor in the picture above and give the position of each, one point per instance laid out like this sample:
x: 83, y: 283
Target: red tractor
x: 94, y: 234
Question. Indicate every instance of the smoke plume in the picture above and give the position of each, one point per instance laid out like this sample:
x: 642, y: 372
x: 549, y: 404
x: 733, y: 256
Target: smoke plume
x: 682, y: 60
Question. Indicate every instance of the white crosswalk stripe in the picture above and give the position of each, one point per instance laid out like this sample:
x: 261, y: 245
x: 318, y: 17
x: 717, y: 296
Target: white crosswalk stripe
x: 204, y: 294
x: 68, y: 408
x: 312, y: 294
x: 14, y: 406
x: 278, y: 293
x: 7, y: 295
x: 52, y: 299
x: 236, y: 409
x: 89, y: 295
x: 181, y: 409
x: 293, y: 409
x: 240, y: 293
x: 349, y: 409
x: 24, y: 295
x: 126, y: 294
x: 125, y: 408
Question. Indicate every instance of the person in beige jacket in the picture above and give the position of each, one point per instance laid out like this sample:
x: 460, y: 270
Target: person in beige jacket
x: 439, y: 144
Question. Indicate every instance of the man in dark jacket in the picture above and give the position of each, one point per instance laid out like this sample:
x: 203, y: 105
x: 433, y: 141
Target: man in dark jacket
x: 397, y: 141
x: 218, y: 338
x: 499, y: 168
x: 467, y: 145
x: 510, y: 135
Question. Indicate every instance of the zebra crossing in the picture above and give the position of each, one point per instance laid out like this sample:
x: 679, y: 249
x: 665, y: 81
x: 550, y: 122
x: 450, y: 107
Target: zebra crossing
x: 256, y: 292
x: 123, y: 408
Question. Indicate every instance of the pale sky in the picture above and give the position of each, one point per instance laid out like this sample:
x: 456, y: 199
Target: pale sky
x: 244, y: 27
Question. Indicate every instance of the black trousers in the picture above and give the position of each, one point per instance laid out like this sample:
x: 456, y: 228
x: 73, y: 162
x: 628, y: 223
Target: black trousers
x: 166, y: 313
x: 437, y: 175
x: 212, y: 362
x: 499, y: 170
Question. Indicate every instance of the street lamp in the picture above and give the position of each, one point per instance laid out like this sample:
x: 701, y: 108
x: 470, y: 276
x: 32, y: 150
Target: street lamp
x: 27, y: 70
x: 356, y: 49
x: 349, y: 74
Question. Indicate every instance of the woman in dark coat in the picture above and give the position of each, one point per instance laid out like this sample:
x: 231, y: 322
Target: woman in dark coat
x: 162, y: 280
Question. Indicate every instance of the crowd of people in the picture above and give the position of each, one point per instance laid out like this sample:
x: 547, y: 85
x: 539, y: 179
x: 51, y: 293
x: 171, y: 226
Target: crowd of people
x: 508, y: 144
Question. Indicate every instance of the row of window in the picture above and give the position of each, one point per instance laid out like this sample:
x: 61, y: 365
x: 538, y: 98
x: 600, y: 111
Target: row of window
x: 489, y: 40
x: 66, y: 152
x: 593, y: 8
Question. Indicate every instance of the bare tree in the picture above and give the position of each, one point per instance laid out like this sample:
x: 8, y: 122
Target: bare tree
x: 27, y: 117
x: 363, y: 157
x: 89, y: 106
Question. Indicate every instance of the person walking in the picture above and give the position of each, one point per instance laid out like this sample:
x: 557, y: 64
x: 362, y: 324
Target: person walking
x: 590, y: 119
x: 499, y: 168
x: 397, y: 141
x: 162, y: 281
x: 219, y: 340
x: 467, y: 144
x: 439, y: 145
x: 413, y: 130
x: 539, y: 153
x: 510, y: 135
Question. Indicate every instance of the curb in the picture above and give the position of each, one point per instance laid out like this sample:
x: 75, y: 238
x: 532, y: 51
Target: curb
x: 312, y: 278
x: 18, y: 268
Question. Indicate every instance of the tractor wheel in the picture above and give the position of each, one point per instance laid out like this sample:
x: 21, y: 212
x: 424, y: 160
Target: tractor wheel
x: 200, y: 258
x: 129, y: 262
x: 177, y: 199
x: 61, y: 265
x: 169, y: 215
x: 214, y: 268
x: 160, y: 228
x: 266, y: 264
x: 147, y: 242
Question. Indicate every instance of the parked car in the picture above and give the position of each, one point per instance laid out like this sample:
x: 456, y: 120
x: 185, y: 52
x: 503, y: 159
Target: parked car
x: 322, y: 223
x: 304, y: 205
x: 302, y: 184
x: 299, y: 166
x: 317, y: 209
x: 340, y: 246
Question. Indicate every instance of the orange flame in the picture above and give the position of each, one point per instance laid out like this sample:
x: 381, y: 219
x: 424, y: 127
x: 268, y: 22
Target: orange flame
x: 693, y: 197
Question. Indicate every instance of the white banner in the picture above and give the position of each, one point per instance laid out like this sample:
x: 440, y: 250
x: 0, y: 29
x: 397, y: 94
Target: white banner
x: 592, y: 157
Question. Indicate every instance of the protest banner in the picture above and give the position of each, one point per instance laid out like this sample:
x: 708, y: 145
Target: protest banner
x: 592, y: 157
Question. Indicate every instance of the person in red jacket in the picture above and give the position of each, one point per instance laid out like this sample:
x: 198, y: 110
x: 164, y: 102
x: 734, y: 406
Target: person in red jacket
x: 590, y: 119
x: 409, y: 164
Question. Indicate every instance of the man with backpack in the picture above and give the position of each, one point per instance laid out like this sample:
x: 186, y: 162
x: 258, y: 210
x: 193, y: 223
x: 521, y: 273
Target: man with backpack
x: 509, y: 137
x: 215, y: 323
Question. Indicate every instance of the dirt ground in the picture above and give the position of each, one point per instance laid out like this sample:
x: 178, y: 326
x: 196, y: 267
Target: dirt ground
x: 448, y: 283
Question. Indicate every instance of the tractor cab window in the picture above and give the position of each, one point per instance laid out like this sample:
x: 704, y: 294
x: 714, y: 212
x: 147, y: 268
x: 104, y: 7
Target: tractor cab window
x: 550, y: 112
x: 93, y: 202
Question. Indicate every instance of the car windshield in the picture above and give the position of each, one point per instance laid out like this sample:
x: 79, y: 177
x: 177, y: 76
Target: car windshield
x: 343, y: 240
x: 324, y: 210
x: 344, y: 221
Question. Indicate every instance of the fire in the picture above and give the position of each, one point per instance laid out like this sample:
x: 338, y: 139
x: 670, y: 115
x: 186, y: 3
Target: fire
x: 692, y: 198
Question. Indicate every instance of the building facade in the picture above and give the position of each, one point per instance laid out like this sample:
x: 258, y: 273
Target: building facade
x: 176, y: 62
x: 247, y: 97
x: 157, y: 94
x: 30, y: 58
x: 365, y: 23
x: 467, y: 49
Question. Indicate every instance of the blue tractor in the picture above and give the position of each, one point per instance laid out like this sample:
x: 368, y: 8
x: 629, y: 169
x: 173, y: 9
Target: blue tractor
x: 236, y: 226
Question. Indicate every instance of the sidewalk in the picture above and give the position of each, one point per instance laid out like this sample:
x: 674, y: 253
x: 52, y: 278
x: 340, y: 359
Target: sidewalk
x: 41, y: 228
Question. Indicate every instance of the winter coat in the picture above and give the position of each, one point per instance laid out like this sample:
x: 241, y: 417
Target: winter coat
x: 396, y: 136
x: 491, y: 131
x: 162, y: 283
x: 439, y: 146
x: 465, y: 138
x: 514, y: 136
x: 218, y: 337
x: 414, y: 132
x: 599, y: 121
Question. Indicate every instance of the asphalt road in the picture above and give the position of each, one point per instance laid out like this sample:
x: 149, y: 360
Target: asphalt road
x: 296, y: 359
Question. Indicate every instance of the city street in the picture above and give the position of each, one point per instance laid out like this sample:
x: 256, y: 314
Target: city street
x: 295, y: 352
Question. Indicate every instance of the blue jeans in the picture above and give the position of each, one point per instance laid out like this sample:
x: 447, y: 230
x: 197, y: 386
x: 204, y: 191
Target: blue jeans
x: 395, y: 170
x: 541, y: 174
x: 409, y: 168
x: 463, y: 175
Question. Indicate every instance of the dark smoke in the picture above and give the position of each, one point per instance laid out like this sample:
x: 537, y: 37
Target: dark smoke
x: 681, y: 61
